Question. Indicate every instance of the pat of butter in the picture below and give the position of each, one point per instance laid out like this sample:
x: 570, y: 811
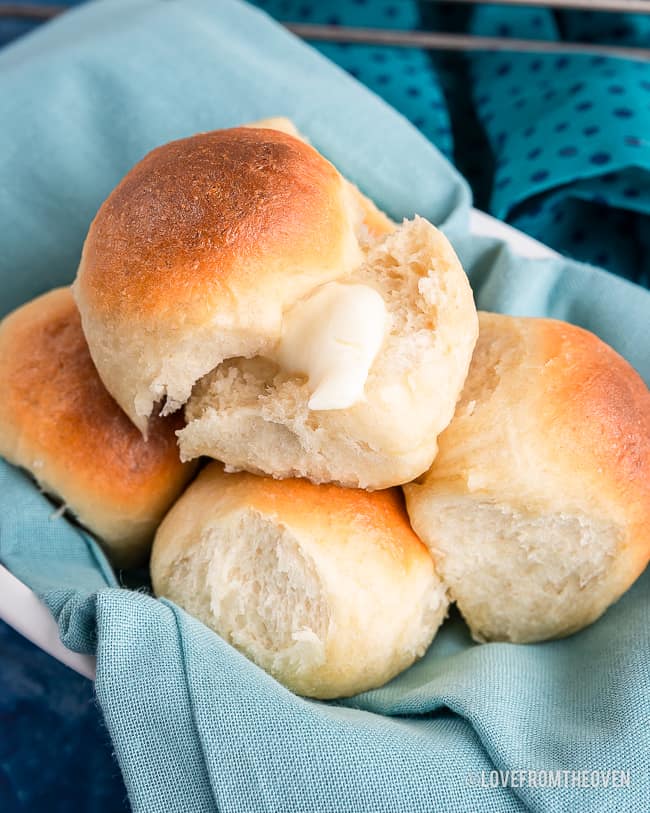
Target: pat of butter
x: 332, y: 337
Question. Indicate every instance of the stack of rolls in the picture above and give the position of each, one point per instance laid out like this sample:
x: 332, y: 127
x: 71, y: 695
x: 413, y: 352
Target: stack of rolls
x: 243, y: 302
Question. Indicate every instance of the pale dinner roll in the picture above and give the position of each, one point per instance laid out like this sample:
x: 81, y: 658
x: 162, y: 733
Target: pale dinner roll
x: 253, y: 415
x: 537, y: 507
x: 58, y: 421
x: 328, y: 589
x: 191, y: 268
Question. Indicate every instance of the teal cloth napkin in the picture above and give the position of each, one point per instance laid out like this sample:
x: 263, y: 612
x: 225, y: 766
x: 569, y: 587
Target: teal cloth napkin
x: 195, y: 726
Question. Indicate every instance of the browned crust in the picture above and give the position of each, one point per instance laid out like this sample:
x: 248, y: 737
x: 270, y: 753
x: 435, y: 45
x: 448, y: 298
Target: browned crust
x: 328, y: 512
x: 198, y: 219
x: 376, y: 222
x: 595, y: 412
x: 557, y: 396
x: 573, y: 402
x: 58, y: 421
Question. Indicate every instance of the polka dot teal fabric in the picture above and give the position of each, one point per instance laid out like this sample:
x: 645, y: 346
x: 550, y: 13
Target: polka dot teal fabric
x: 559, y: 146
x: 405, y: 78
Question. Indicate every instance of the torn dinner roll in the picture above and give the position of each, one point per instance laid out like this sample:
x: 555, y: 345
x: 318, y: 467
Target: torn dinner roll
x: 328, y: 589
x: 260, y: 414
x: 195, y: 255
x: 537, y: 506
x: 238, y: 273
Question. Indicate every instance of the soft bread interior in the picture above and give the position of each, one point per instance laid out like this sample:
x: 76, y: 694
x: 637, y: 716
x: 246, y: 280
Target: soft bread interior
x: 254, y: 416
x: 249, y: 579
x: 519, y: 574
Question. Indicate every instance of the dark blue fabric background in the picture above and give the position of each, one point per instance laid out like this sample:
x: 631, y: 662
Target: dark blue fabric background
x: 558, y: 146
x: 55, y: 754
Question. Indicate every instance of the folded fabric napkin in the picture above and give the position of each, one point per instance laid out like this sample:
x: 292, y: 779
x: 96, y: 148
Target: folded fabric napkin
x: 195, y: 726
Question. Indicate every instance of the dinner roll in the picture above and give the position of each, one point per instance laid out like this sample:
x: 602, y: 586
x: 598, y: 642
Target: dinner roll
x: 240, y: 264
x: 538, y: 504
x: 58, y: 421
x: 196, y: 253
x: 255, y: 415
x: 326, y: 588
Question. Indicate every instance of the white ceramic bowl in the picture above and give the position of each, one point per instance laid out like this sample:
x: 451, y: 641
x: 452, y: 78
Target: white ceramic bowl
x: 22, y: 610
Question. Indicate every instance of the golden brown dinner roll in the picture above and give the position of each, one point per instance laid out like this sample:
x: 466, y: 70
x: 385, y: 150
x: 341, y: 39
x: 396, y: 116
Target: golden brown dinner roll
x: 197, y: 252
x: 58, y: 421
x: 326, y: 588
x: 242, y: 260
x: 538, y: 503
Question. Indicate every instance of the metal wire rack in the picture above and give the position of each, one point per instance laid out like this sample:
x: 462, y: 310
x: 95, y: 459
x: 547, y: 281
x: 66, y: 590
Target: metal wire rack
x: 434, y: 40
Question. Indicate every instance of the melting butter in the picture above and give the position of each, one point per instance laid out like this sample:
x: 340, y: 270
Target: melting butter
x: 333, y: 336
